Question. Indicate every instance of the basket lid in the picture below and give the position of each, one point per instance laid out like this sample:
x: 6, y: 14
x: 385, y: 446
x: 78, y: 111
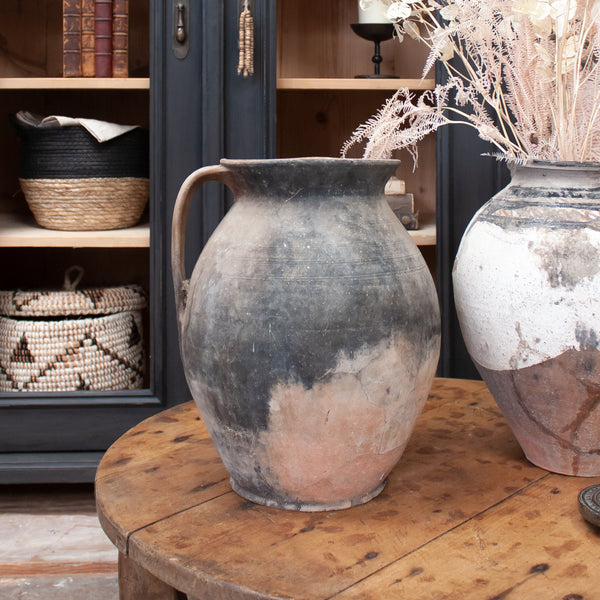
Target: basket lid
x: 64, y: 303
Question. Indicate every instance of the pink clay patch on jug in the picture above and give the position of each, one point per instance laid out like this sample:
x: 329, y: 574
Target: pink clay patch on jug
x: 334, y: 435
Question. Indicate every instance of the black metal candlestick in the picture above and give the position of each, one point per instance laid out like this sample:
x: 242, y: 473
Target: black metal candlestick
x: 377, y: 33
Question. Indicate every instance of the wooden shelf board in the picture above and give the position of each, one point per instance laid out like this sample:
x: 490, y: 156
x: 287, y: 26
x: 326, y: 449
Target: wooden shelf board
x: 21, y: 231
x: 308, y: 83
x: 424, y: 236
x: 74, y: 83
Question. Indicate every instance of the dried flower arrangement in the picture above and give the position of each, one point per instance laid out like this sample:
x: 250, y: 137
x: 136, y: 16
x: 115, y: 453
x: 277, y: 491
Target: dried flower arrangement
x: 524, y: 73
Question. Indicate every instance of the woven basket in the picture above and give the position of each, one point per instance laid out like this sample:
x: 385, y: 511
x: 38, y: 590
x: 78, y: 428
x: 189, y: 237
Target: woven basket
x: 86, y: 204
x: 72, y: 182
x: 58, y: 341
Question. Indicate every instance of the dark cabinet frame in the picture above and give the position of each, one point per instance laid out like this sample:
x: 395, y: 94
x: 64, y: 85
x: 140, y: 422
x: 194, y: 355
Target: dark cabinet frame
x: 200, y: 111
x: 466, y: 179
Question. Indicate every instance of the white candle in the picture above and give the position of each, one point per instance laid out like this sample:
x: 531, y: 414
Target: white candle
x: 375, y: 11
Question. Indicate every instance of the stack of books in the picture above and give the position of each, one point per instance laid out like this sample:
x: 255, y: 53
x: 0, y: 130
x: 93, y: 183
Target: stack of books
x: 402, y: 203
x: 95, y: 38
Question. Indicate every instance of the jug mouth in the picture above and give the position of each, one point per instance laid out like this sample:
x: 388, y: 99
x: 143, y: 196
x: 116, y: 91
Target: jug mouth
x: 308, y: 160
x: 299, y: 177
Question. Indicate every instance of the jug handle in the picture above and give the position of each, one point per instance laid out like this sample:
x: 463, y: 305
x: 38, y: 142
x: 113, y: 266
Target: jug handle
x: 180, y: 213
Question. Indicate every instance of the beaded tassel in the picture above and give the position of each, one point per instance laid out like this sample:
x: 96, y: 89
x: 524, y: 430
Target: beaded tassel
x: 246, y: 36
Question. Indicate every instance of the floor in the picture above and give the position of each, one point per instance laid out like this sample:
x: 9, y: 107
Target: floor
x: 52, y: 546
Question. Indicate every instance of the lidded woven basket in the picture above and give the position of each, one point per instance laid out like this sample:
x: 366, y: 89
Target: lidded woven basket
x: 72, y: 340
x: 72, y: 182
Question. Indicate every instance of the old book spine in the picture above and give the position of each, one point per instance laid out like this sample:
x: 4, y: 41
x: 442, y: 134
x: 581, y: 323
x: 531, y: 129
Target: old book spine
x: 72, y: 38
x: 103, y: 38
x: 120, y: 39
x: 88, y: 38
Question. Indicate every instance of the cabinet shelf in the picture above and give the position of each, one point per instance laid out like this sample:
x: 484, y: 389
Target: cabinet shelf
x: 425, y: 235
x: 74, y: 83
x: 340, y: 83
x: 21, y: 231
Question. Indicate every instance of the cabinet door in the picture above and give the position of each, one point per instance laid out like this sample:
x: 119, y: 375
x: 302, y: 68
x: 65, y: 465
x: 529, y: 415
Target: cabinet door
x: 198, y: 110
x: 59, y: 436
x: 207, y: 111
x: 466, y: 180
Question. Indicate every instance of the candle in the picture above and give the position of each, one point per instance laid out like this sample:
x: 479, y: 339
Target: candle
x: 374, y: 11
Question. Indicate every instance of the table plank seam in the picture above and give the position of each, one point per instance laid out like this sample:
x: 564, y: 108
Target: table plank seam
x: 174, y: 514
x: 442, y: 534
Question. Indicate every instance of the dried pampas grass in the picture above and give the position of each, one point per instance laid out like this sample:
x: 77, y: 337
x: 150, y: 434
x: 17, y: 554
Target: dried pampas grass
x: 524, y: 73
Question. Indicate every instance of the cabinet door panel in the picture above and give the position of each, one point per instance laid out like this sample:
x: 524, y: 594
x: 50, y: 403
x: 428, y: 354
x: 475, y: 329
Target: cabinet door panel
x: 199, y: 110
x: 466, y: 180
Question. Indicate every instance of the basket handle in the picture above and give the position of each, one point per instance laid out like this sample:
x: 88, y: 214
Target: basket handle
x: 180, y: 213
x: 73, y: 276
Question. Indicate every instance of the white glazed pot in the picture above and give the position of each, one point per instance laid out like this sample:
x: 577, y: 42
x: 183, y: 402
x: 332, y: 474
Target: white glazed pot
x: 527, y: 292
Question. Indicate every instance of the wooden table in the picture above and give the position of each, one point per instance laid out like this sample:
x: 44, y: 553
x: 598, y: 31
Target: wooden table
x: 464, y: 516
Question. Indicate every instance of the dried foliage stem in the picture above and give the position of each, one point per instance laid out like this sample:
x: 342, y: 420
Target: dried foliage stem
x: 524, y: 73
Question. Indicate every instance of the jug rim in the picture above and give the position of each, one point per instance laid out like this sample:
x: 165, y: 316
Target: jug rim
x: 307, y: 160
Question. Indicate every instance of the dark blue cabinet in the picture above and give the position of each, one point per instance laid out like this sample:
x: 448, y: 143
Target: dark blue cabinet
x: 199, y: 110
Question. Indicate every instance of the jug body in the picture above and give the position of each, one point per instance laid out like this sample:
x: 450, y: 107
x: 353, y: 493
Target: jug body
x: 310, y: 332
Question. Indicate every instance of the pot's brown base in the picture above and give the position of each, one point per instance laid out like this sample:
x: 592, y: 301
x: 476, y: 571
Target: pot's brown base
x: 308, y: 506
x: 553, y: 409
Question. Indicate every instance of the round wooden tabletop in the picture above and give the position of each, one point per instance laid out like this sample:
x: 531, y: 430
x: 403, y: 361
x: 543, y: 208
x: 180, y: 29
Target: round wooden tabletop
x: 463, y: 515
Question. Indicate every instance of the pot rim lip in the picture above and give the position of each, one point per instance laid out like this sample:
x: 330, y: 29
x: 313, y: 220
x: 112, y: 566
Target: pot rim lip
x: 308, y: 160
x: 556, y: 164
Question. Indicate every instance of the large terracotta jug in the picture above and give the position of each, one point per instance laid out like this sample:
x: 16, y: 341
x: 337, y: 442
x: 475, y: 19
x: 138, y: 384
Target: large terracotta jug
x: 309, y: 329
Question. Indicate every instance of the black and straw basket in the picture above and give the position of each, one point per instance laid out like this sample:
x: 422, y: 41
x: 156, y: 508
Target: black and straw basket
x: 58, y: 341
x: 72, y: 182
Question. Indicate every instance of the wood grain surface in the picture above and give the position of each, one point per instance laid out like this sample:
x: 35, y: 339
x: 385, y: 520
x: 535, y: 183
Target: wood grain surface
x: 463, y: 515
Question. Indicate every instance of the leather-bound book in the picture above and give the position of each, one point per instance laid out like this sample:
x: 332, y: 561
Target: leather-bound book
x: 120, y: 40
x: 72, y: 38
x: 103, y: 38
x: 88, y: 37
